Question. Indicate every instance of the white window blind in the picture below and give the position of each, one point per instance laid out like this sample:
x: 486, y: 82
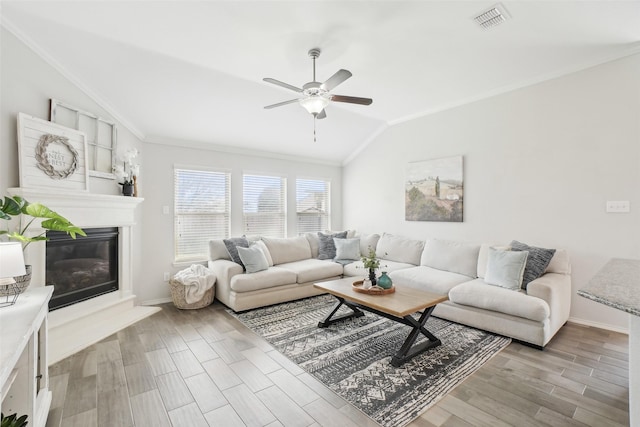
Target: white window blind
x: 202, y: 211
x: 264, y: 205
x: 312, y: 205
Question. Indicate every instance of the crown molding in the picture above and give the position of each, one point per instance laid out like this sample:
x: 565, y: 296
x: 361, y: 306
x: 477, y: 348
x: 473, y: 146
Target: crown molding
x: 365, y: 144
x: 200, y: 145
x: 39, y: 51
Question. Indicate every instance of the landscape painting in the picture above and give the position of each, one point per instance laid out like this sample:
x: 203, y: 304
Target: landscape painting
x: 434, y: 190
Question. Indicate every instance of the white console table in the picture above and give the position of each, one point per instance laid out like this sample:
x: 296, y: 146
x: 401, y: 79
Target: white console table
x: 24, y: 378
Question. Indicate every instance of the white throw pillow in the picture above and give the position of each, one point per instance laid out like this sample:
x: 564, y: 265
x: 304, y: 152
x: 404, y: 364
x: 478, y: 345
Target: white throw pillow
x: 253, y: 259
x: 347, y: 249
x: 506, y: 268
x: 260, y: 244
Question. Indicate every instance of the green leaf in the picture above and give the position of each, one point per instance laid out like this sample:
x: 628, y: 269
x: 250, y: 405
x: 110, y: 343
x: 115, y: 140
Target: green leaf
x: 62, y: 224
x: 38, y: 210
x: 12, y: 206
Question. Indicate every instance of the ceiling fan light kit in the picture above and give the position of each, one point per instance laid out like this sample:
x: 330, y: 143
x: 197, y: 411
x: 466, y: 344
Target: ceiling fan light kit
x: 316, y: 96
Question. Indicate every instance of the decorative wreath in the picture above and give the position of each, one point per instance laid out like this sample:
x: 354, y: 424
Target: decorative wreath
x: 43, y: 161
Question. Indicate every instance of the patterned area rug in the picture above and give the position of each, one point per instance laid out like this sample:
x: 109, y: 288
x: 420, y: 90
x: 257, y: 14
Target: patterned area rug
x: 352, y: 357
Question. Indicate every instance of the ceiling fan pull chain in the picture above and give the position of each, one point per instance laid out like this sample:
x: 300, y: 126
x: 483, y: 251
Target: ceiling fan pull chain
x: 314, y: 128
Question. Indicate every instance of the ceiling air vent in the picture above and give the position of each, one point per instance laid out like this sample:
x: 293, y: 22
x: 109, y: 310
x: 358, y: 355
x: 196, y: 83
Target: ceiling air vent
x: 493, y: 16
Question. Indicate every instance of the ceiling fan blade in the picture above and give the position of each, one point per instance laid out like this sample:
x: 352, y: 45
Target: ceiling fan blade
x: 333, y: 81
x: 282, y: 84
x: 322, y: 114
x: 279, y: 104
x: 351, y: 99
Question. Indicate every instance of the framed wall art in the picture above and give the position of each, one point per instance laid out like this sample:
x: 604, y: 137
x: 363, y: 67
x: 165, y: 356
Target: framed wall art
x: 434, y: 190
x: 101, y: 136
x: 51, y: 155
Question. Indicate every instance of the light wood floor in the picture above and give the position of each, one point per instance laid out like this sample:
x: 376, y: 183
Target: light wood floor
x: 204, y: 368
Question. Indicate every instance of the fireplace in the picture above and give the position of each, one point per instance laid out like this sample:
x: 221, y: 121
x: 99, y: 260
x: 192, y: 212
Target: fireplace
x: 81, y: 268
x: 75, y: 326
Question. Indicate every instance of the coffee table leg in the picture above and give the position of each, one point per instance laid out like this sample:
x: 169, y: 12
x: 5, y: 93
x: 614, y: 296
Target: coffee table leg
x: 329, y: 319
x: 407, y: 351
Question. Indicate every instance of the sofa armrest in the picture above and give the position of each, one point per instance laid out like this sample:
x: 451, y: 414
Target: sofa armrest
x: 555, y: 289
x: 224, y: 271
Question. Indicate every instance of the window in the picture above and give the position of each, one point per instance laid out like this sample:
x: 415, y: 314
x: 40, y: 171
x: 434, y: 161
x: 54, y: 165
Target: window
x: 101, y: 136
x: 202, y: 211
x: 312, y: 205
x: 264, y: 205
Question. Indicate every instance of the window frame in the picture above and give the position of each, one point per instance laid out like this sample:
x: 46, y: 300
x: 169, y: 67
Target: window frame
x: 94, y: 121
x: 204, y: 254
x: 327, y: 214
x: 283, y: 199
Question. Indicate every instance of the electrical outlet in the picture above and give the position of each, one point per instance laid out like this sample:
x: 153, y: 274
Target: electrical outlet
x: 621, y: 206
x: 165, y: 210
x: 166, y: 276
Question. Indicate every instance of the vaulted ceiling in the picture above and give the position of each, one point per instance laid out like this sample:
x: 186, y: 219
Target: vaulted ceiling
x: 191, y: 71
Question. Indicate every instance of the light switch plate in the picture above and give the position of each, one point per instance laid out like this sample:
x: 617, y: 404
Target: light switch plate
x: 620, y: 206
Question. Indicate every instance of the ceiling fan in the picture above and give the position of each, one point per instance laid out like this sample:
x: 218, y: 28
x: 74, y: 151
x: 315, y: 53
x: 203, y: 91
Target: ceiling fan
x: 315, y: 95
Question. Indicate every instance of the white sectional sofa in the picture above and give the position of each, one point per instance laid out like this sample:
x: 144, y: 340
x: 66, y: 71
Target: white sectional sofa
x: 457, y: 269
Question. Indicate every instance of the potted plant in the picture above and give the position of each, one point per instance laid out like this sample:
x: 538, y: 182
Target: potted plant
x: 13, y: 421
x: 15, y: 208
x: 371, y: 262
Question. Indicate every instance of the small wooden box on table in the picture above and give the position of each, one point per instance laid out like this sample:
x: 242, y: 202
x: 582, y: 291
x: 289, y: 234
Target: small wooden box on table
x: 398, y: 306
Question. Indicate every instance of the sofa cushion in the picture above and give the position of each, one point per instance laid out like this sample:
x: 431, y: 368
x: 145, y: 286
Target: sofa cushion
x: 253, y: 258
x: 218, y: 250
x: 477, y: 293
x: 506, y: 268
x: 357, y: 269
x: 231, y: 244
x: 287, y: 249
x: 537, y: 261
x: 399, y: 249
x: 326, y: 246
x: 312, y: 238
x: 269, y: 278
x: 368, y: 241
x: 559, y: 263
x: 448, y: 255
x: 428, y: 279
x: 347, y: 249
x: 312, y: 270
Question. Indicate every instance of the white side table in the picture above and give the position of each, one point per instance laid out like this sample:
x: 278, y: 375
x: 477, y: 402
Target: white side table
x: 24, y: 377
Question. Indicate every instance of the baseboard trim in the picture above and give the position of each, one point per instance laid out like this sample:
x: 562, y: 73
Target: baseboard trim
x: 156, y: 301
x: 599, y: 325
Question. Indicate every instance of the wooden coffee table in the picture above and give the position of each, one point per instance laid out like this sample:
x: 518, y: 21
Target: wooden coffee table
x: 398, y: 306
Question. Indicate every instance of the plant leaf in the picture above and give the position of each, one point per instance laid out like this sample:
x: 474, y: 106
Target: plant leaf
x: 17, y: 236
x: 11, y: 207
x: 38, y: 210
x: 62, y: 224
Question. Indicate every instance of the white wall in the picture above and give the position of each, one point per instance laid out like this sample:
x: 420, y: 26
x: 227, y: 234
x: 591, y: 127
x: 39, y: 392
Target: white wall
x: 158, y: 228
x: 27, y: 83
x: 539, y: 164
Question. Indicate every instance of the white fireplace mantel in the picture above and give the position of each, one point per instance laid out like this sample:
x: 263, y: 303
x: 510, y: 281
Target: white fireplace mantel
x: 77, y: 326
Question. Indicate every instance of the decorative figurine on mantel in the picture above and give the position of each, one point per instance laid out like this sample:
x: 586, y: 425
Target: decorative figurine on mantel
x: 128, y: 172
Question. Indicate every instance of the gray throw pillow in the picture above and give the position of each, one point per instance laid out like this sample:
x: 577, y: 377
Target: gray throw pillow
x: 537, y: 261
x: 231, y: 244
x: 326, y: 247
x: 253, y: 258
x: 506, y: 268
